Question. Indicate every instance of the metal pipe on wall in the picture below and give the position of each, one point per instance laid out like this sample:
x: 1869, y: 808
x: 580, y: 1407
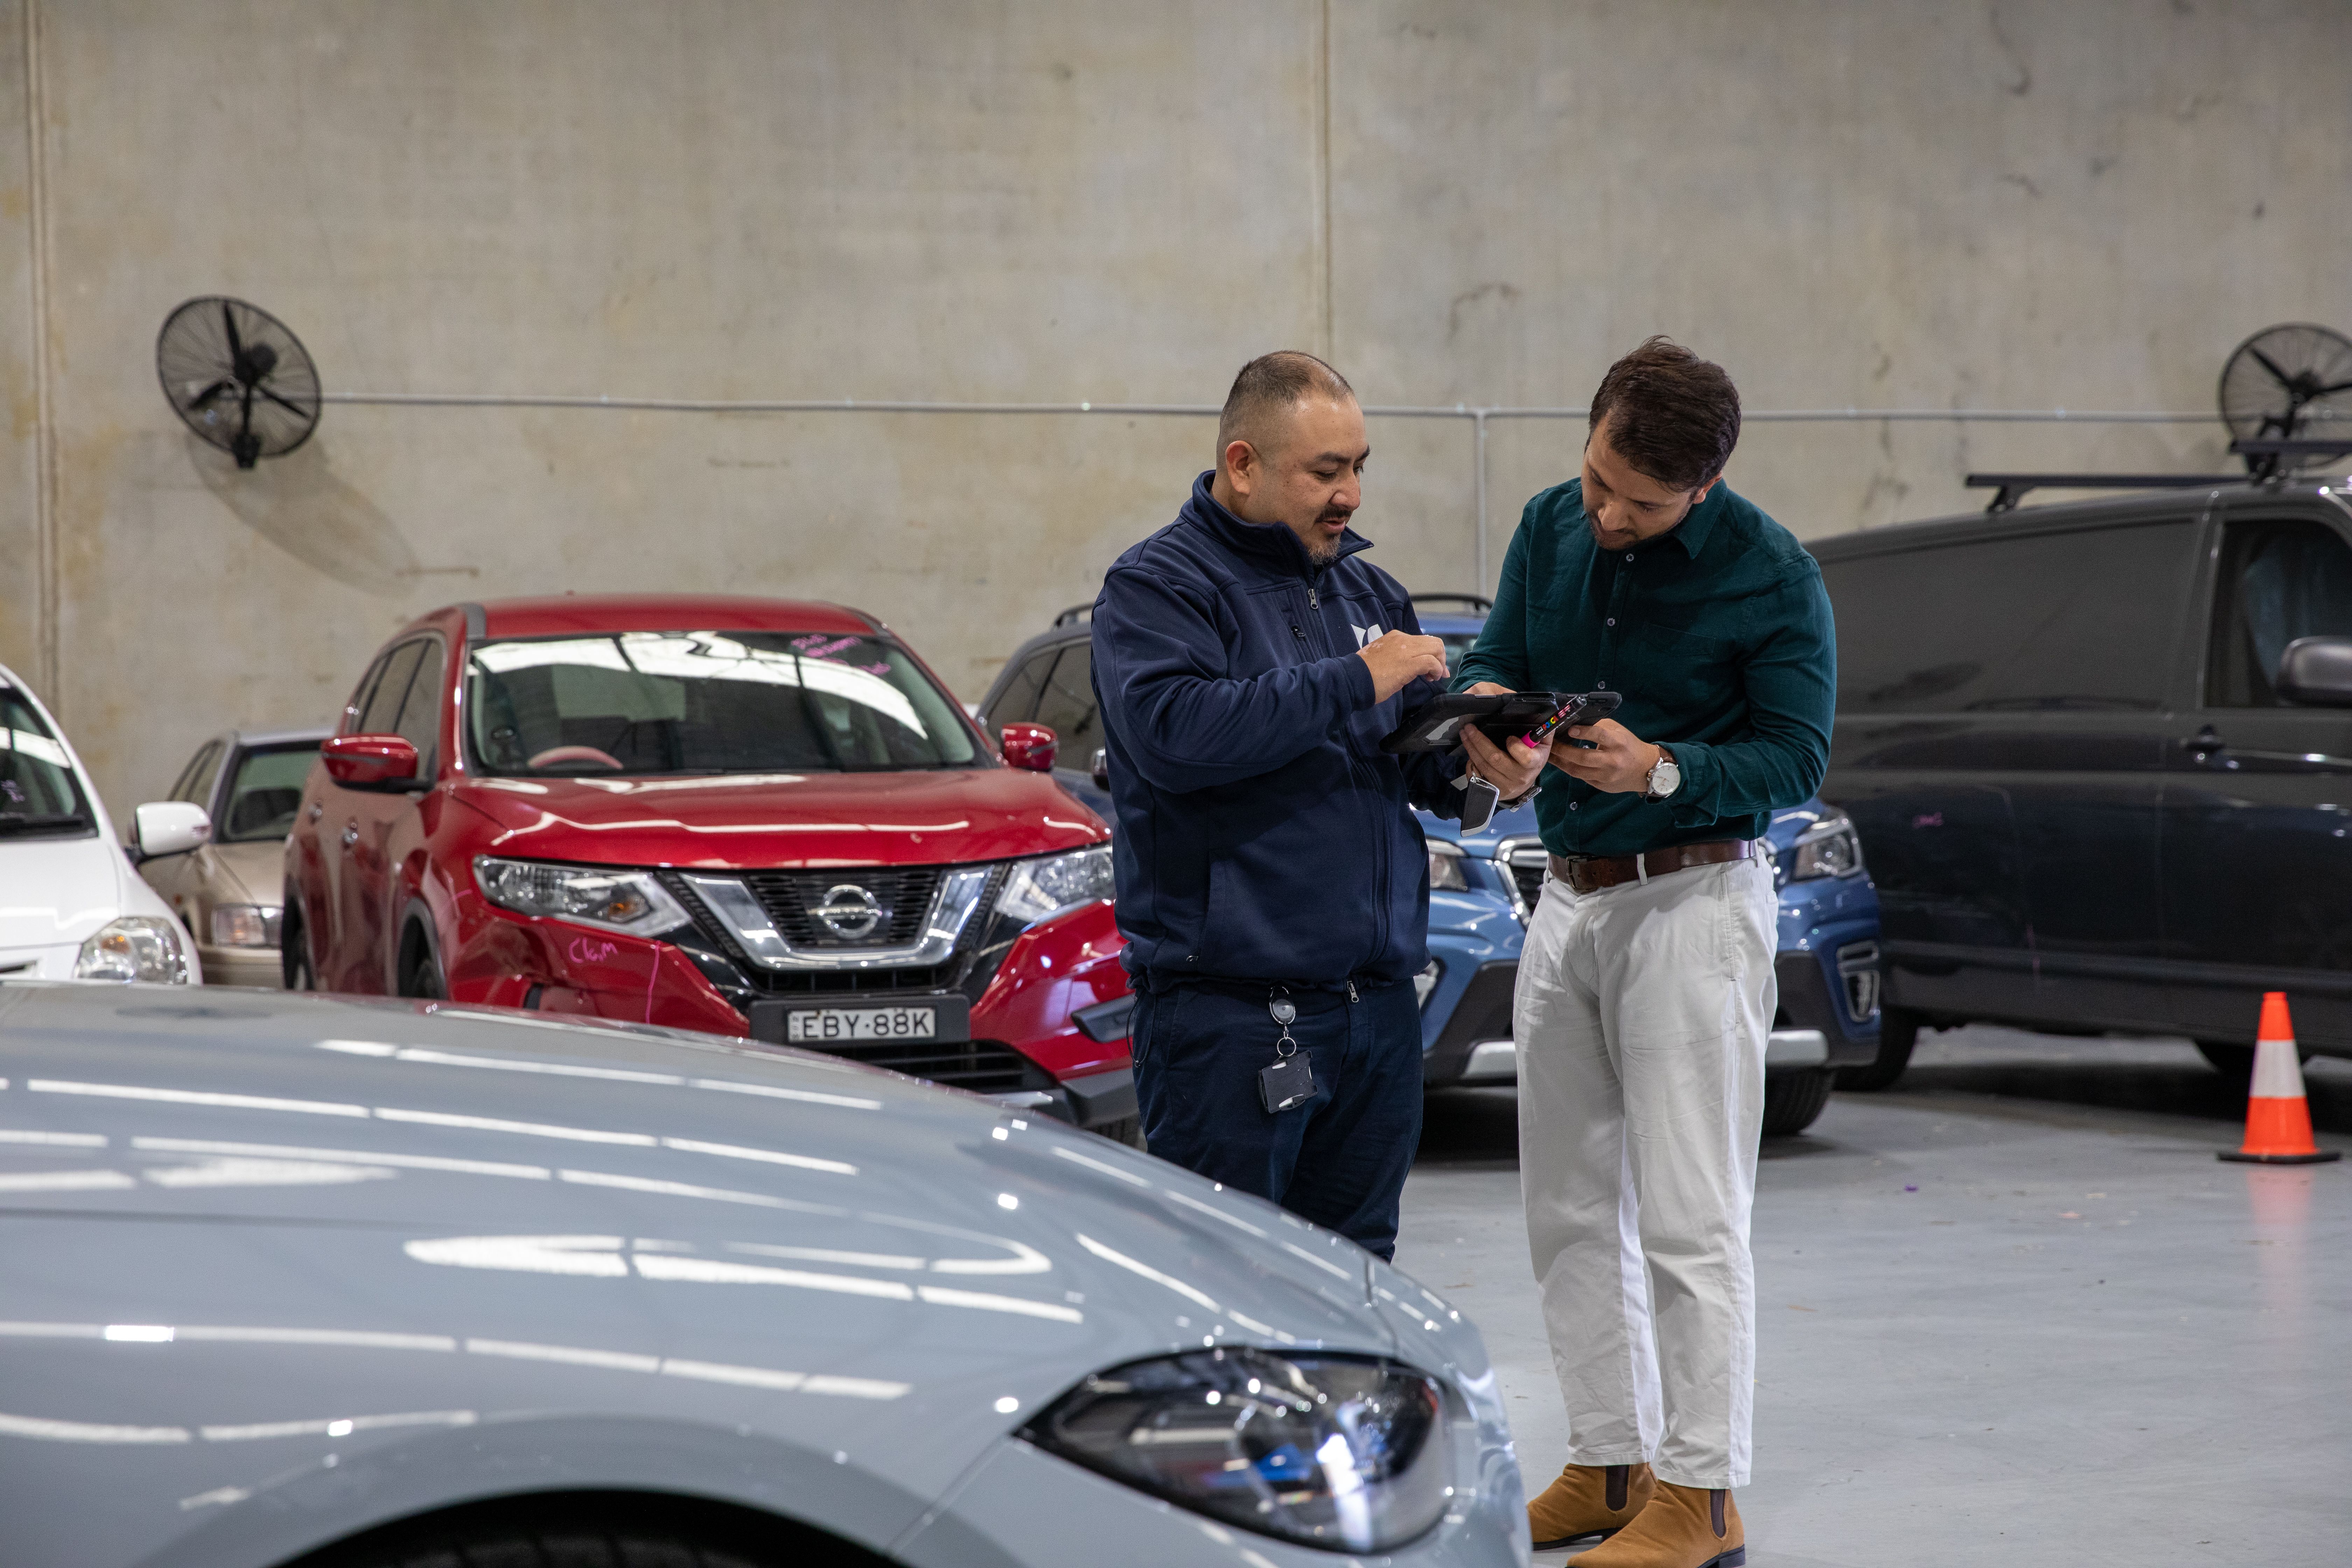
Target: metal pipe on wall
x: 1477, y: 414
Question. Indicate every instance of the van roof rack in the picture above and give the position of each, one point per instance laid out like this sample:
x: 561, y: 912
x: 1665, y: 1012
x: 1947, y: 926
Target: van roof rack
x: 2010, y: 488
x: 2267, y: 458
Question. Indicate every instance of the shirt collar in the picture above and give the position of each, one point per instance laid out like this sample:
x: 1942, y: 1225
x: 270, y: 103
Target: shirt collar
x: 1270, y: 542
x: 1695, y: 526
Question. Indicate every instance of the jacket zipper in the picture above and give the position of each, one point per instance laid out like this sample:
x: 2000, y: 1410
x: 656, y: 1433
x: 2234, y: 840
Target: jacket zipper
x: 1379, y: 837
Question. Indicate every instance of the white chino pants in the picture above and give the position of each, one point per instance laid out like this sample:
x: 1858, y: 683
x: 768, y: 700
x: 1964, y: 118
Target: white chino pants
x: 1641, y: 1016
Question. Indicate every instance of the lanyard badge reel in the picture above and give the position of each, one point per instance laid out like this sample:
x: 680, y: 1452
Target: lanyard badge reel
x: 1290, y: 1079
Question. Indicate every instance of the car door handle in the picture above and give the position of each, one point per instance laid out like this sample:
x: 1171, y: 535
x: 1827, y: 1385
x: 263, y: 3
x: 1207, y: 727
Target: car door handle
x: 2204, y: 743
x: 351, y: 834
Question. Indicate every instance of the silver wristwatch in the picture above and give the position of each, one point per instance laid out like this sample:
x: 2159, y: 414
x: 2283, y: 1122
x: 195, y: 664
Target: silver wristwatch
x: 1665, y: 777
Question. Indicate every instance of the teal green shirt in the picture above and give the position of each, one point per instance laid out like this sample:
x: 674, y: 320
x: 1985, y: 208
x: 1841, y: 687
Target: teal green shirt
x: 1718, y: 635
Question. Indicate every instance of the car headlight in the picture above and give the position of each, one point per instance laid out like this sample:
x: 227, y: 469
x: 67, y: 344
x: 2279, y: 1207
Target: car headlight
x: 1828, y: 848
x: 630, y: 902
x: 246, y: 925
x: 1445, y: 868
x: 134, y: 947
x: 1343, y: 1452
x: 1055, y: 884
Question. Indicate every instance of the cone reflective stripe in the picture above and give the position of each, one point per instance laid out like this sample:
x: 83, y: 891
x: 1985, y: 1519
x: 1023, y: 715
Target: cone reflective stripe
x: 2278, y: 1117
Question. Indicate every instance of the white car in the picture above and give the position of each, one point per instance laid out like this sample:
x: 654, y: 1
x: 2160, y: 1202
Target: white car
x: 72, y: 906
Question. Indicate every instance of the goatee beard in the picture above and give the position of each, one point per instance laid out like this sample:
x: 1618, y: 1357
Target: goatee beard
x: 1323, y: 552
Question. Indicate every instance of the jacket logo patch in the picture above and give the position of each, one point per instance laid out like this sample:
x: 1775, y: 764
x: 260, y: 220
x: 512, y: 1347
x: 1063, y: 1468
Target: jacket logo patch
x: 1367, y: 636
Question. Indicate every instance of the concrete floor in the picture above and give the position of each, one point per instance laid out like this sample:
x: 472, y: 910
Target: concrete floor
x: 2012, y: 1310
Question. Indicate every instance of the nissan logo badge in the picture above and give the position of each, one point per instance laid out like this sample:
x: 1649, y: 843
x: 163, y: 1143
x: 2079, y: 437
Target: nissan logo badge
x: 849, y: 911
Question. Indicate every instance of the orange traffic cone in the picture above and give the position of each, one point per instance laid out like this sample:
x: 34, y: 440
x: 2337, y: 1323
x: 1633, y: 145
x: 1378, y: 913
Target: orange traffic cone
x: 2278, y: 1118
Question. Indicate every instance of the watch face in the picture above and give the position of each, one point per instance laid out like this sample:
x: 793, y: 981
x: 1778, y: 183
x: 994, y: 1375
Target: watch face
x: 1665, y: 778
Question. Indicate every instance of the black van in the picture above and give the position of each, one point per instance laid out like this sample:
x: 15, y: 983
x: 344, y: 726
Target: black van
x: 2102, y: 755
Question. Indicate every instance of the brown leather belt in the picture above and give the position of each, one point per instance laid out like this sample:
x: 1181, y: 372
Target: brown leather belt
x: 1591, y: 873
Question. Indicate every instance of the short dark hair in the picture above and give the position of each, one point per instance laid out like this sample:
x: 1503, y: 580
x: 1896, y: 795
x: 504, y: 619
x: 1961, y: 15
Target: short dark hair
x: 1677, y: 416
x: 1283, y: 379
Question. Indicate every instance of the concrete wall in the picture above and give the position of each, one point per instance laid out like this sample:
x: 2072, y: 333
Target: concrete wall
x: 2079, y: 203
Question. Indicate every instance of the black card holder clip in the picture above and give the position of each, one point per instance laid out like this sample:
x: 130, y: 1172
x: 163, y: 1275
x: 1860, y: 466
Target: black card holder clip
x: 1290, y: 1080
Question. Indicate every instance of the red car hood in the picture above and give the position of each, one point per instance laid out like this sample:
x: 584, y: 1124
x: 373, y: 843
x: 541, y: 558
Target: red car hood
x: 754, y: 820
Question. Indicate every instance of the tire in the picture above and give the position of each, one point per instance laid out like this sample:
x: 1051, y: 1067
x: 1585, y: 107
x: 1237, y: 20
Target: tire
x: 1898, y: 1031
x: 294, y: 955
x: 1793, y: 1100
x: 1127, y: 1130
x: 420, y: 976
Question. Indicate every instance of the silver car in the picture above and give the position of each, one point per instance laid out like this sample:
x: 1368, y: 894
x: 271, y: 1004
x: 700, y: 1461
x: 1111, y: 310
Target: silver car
x: 408, y: 1282
x: 229, y: 889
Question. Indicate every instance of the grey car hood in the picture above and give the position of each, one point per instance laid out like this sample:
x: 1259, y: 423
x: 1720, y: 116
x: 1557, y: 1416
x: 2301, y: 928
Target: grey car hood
x: 280, y: 1265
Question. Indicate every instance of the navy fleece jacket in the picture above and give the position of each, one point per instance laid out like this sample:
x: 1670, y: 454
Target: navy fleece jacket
x: 1263, y: 835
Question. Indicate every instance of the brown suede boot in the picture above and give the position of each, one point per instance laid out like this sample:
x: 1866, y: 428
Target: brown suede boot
x: 1589, y: 1501
x: 1684, y: 1527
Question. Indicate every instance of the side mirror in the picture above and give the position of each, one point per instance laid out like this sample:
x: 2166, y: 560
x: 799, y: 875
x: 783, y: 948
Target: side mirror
x: 1101, y: 768
x: 2317, y: 671
x: 1029, y: 746
x: 169, y: 828
x: 369, y: 762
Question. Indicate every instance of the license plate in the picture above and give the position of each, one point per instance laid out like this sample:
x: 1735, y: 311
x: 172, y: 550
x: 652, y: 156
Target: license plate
x: 841, y: 1026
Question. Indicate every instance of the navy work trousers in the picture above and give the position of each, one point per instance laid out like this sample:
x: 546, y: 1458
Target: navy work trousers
x: 1339, y: 1159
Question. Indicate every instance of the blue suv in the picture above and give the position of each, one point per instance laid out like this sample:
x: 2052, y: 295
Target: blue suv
x: 1483, y: 886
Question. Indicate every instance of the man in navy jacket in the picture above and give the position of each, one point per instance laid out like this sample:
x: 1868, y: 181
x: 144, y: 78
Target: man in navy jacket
x: 1248, y: 660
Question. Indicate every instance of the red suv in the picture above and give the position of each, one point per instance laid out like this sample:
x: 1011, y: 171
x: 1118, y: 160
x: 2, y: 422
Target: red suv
x: 738, y: 816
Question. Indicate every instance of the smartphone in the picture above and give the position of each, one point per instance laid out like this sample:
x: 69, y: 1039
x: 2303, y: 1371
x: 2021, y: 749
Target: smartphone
x: 1580, y: 709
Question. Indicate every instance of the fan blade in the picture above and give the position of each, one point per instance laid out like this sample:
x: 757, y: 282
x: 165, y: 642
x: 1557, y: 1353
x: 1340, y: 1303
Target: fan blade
x: 209, y: 392
x: 2332, y: 391
x: 2271, y: 365
x: 294, y: 408
x: 237, y: 345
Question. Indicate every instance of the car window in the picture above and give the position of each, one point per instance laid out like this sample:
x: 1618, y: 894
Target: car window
x: 361, y: 693
x: 38, y: 792
x: 265, y: 787
x: 1068, y: 705
x: 384, y: 702
x: 2083, y: 618
x: 420, y: 711
x: 2281, y: 579
x: 196, y: 779
x: 1019, y: 703
x: 710, y: 703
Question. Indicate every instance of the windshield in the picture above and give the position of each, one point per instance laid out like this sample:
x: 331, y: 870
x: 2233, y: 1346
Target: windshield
x: 708, y: 703
x: 263, y: 794
x: 38, y: 792
x: 1457, y: 647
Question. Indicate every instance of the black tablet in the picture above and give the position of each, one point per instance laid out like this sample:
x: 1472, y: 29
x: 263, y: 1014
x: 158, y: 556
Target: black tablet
x: 1436, y: 725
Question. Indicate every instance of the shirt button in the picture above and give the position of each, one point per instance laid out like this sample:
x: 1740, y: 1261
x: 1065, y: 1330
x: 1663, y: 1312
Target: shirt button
x: 1599, y: 686
x: 1629, y: 555
x: 1612, y: 620
x: 1571, y: 805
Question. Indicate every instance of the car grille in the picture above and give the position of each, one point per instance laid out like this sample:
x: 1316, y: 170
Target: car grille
x: 791, y: 899
x: 982, y: 1066
x: 1525, y: 862
x: 959, y: 971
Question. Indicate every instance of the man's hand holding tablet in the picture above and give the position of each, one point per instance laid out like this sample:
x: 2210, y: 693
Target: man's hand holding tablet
x: 1512, y: 768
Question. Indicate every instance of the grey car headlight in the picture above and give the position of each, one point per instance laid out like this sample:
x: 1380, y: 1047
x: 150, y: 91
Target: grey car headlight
x: 134, y: 947
x: 246, y: 925
x: 629, y: 901
x: 1055, y: 884
x: 1342, y: 1452
x: 1445, y: 868
x: 1828, y: 848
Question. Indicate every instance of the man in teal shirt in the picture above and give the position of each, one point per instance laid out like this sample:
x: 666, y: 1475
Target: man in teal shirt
x: 1645, y: 989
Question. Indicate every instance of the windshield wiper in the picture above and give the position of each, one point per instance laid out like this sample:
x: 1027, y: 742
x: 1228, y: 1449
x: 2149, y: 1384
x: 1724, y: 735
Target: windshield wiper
x: 37, y: 821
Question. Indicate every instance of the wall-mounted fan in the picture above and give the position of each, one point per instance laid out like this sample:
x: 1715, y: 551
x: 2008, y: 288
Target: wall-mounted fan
x: 2290, y: 382
x: 239, y: 376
